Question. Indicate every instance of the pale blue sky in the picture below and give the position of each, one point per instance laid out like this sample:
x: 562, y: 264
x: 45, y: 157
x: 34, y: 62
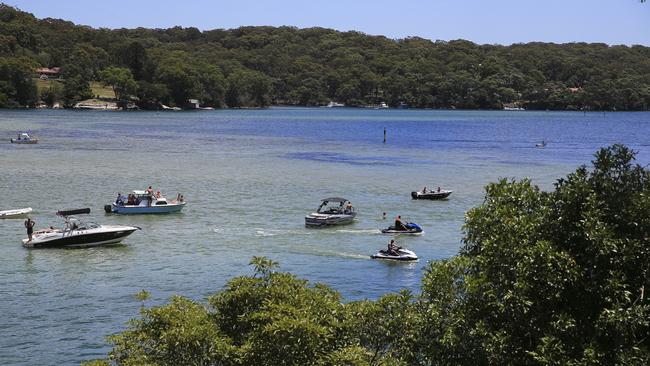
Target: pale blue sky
x: 481, y: 21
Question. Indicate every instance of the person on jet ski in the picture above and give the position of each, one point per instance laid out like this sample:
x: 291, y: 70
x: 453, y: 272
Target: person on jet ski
x: 399, y: 225
x: 392, y: 248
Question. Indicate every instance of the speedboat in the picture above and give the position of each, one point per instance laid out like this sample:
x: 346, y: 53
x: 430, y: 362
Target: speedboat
x: 77, y: 233
x: 17, y: 213
x: 431, y: 195
x: 411, y: 229
x: 141, y: 204
x: 541, y: 145
x: 400, y: 254
x: 382, y: 105
x: 24, y: 138
x: 332, y: 211
x: 334, y: 105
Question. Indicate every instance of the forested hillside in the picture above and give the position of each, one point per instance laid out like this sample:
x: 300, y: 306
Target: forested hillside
x: 260, y: 66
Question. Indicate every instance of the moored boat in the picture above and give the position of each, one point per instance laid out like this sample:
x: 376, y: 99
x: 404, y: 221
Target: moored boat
x: 77, y: 233
x: 24, y: 138
x: 143, y: 202
x: 332, y: 211
x: 17, y: 213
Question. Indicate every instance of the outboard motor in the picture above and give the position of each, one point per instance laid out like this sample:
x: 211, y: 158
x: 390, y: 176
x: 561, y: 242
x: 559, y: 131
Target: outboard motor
x: 108, y: 208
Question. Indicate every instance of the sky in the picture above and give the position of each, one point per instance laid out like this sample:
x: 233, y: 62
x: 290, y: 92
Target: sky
x: 481, y: 21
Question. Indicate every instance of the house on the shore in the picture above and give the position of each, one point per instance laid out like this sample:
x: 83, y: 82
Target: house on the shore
x: 48, y: 73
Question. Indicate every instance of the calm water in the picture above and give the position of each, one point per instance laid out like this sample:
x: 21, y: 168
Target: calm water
x: 250, y: 177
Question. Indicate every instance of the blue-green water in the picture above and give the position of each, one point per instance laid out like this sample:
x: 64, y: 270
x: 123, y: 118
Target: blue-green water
x: 250, y: 177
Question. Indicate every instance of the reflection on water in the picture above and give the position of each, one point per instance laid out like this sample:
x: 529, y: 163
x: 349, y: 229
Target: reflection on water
x: 250, y: 178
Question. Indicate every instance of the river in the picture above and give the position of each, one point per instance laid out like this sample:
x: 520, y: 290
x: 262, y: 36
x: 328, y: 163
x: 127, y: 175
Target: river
x: 249, y: 178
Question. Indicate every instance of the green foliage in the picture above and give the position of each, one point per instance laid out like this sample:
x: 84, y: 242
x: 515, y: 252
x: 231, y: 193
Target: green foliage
x: 16, y: 84
x: 120, y: 79
x: 258, y: 66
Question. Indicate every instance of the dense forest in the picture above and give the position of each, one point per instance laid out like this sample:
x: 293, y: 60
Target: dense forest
x: 261, y: 66
x: 543, y: 278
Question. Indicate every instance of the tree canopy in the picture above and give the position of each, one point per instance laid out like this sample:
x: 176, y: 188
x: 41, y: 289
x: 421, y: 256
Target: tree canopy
x: 258, y: 66
x: 543, y: 278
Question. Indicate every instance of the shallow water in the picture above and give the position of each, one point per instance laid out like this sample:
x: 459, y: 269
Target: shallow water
x: 250, y: 177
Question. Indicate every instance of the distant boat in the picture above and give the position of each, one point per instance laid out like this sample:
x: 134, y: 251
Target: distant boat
x: 513, y: 109
x: 382, y: 105
x: 24, y: 138
x: 17, y: 213
x: 334, y: 105
x: 541, y: 145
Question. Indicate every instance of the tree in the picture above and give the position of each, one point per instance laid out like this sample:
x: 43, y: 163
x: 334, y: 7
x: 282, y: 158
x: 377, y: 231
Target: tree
x: 121, y: 80
x: 17, y: 88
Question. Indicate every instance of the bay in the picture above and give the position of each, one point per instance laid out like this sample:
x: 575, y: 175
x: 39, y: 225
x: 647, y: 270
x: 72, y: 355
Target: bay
x: 250, y: 176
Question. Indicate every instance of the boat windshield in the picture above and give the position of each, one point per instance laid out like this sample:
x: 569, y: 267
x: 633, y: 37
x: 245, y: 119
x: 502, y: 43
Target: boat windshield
x: 335, y: 207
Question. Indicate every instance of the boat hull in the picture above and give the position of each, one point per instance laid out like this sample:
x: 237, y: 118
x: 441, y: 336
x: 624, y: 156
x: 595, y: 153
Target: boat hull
x: 83, y: 239
x: 15, y: 214
x: 404, y: 255
x: 24, y: 142
x: 319, y: 220
x: 430, y: 195
x: 154, y: 209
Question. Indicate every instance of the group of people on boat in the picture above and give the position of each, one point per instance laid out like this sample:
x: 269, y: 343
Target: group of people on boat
x: 424, y: 190
x: 134, y: 200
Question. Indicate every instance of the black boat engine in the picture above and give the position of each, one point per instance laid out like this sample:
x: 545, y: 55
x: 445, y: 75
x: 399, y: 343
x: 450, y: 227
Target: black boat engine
x: 108, y: 208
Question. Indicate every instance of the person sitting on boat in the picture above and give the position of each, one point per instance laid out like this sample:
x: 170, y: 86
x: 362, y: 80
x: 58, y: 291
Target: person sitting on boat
x: 158, y: 195
x: 438, y: 189
x: 424, y: 190
x: 392, y: 248
x: 119, y: 200
x: 399, y: 225
x: 348, y: 208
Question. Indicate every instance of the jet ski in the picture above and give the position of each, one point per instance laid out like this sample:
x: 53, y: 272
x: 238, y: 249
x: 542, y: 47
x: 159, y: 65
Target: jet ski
x: 412, y: 229
x: 402, y: 255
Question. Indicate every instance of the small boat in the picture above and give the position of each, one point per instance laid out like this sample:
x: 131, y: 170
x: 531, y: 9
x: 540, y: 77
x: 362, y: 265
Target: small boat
x: 401, y: 254
x: 24, y: 138
x: 411, y: 229
x: 144, y: 203
x: 77, y: 233
x: 382, y: 105
x: 334, y: 105
x: 332, y: 211
x: 17, y: 213
x: 541, y: 145
x: 513, y: 109
x: 431, y: 195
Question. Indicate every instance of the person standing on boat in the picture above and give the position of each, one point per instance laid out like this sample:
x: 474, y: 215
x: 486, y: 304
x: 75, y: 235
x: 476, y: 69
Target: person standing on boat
x: 149, y: 196
x: 29, y: 225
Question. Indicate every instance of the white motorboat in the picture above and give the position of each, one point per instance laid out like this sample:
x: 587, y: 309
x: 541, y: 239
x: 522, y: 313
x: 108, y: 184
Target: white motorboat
x: 438, y: 194
x: 77, y: 233
x: 334, y: 105
x: 332, y: 211
x: 382, y: 105
x: 143, y: 202
x: 17, y: 213
x: 401, y: 254
x: 24, y: 138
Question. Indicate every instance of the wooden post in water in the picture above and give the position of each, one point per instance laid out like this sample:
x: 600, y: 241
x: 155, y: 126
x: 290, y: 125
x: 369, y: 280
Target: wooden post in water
x: 384, y: 135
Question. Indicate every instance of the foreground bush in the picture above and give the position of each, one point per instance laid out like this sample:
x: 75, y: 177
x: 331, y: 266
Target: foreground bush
x: 543, y: 278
